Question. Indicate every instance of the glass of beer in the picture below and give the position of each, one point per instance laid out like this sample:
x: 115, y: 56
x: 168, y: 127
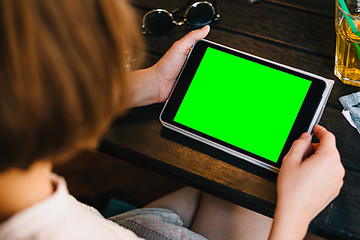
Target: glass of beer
x: 347, y: 55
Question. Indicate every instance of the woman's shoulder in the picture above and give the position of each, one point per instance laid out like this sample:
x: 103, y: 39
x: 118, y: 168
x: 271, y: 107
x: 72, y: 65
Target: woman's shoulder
x: 61, y: 216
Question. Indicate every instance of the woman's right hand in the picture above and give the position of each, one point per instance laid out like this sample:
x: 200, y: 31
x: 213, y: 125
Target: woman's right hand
x: 310, y: 177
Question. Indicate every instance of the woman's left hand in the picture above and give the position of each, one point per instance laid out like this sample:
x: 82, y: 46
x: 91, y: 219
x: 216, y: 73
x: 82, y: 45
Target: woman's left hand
x: 168, y: 67
x: 154, y: 84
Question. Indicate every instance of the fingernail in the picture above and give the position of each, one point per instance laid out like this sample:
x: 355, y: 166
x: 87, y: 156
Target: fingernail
x: 204, y: 27
x: 305, y: 135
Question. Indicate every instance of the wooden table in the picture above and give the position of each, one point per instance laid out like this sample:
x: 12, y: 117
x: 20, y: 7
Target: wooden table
x: 296, y: 33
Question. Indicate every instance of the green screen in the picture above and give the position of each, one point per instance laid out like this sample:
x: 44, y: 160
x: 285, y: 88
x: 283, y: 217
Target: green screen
x: 243, y: 103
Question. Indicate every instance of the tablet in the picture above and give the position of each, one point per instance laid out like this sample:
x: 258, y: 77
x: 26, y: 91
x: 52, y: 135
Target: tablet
x: 245, y: 105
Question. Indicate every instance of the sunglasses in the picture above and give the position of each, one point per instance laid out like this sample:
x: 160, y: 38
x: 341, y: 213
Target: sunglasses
x: 196, y: 15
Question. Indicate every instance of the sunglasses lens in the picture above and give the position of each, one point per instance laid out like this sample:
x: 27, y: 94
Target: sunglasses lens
x: 158, y: 21
x: 200, y: 14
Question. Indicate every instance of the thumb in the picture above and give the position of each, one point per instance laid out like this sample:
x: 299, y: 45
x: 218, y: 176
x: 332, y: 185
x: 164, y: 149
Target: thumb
x: 299, y: 150
x: 185, y: 43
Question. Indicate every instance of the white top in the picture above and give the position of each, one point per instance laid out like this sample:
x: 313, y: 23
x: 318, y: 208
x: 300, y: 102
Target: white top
x: 61, y: 216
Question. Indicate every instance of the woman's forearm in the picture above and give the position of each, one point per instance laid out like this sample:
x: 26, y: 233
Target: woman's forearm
x: 144, y: 87
x: 288, y: 225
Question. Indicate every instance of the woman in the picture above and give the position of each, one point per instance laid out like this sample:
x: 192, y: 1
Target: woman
x: 63, y: 77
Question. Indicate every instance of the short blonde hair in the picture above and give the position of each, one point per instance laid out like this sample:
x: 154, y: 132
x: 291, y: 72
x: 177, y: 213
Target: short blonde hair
x: 62, y: 74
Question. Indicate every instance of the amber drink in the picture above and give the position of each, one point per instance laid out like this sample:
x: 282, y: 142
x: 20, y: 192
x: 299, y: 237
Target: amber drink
x: 347, y: 55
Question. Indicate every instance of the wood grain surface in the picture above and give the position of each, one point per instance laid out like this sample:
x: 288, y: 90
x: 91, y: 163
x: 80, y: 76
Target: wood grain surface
x: 300, y: 34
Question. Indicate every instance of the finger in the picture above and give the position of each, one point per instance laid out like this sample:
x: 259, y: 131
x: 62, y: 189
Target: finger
x: 309, y: 151
x: 326, y: 139
x: 300, y: 149
x: 315, y: 146
x: 185, y: 43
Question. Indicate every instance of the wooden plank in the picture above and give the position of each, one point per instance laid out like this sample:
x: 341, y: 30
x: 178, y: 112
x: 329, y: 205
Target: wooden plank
x: 323, y: 7
x: 140, y: 134
x: 347, y: 137
x: 341, y: 218
x: 297, y: 29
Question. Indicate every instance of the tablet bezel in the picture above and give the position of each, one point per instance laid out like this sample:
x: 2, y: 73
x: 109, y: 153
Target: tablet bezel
x: 303, y: 122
